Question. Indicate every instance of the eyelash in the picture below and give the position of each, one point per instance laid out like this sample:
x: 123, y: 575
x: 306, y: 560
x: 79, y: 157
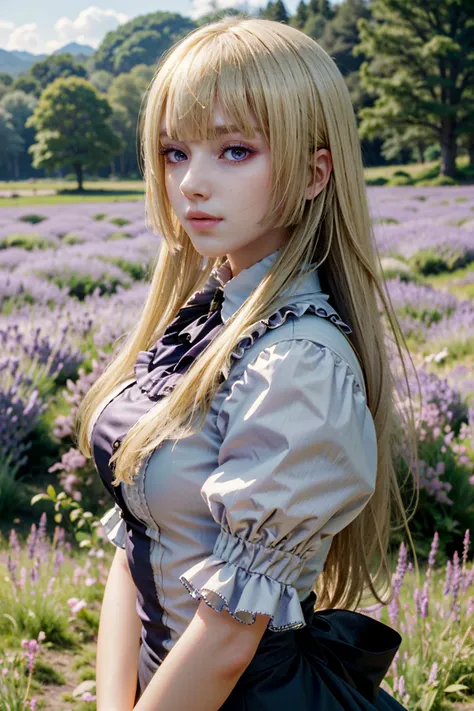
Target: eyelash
x: 170, y: 149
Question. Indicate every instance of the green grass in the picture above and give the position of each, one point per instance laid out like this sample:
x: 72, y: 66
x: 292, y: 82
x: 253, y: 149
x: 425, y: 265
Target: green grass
x: 65, y: 199
x: 66, y: 192
x: 69, y: 186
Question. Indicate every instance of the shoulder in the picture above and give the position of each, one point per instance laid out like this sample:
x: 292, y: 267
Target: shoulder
x: 295, y: 348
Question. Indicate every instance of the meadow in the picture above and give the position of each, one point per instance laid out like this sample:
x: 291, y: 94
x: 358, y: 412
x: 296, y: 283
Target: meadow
x: 72, y: 280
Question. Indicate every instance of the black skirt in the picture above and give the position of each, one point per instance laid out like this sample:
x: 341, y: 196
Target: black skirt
x: 335, y: 663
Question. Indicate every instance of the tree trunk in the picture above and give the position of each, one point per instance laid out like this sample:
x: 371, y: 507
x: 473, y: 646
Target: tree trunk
x: 16, y: 168
x: 471, y: 149
x: 122, y: 164
x: 420, y: 147
x: 448, y: 147
x: 79, y: 176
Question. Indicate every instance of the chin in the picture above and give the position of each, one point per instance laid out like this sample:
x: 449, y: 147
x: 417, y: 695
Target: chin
x: 208, y: 250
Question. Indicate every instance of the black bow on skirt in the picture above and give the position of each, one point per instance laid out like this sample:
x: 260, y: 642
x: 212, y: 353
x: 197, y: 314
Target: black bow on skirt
x: 336, y: 662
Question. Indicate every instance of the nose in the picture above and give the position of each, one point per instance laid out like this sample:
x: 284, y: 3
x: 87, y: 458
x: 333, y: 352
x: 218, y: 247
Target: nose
x: 195, y: 183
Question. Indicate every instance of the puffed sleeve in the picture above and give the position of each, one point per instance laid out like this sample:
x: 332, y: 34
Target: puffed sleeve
x: 297, y: 464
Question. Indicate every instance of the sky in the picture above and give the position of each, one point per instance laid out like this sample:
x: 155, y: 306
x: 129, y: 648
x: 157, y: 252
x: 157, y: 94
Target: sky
x: 43, y: 27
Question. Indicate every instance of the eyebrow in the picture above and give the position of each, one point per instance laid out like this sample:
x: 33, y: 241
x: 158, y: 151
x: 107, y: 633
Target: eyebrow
x: 220, y: 130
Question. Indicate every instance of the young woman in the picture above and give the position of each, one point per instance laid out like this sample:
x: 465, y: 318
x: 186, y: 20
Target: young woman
x: 246, y: 427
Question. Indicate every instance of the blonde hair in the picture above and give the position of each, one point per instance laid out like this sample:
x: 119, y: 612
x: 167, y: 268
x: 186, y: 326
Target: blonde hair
x: 301, y: 104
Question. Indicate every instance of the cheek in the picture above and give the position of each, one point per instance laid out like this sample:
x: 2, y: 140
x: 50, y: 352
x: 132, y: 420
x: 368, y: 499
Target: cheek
x: 172, y: 187
x: 255, y: 189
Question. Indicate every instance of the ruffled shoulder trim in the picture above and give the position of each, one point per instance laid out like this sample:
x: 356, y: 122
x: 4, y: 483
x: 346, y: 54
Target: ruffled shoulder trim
x: 319, y: 307
x: 114, y: 526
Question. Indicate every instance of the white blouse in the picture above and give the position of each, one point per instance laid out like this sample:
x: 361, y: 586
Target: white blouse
x: 243, y: 513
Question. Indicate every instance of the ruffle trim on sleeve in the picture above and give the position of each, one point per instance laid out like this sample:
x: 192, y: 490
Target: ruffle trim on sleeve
x: 236, y: 585
x: 319, y: 307
x: 114, y: 526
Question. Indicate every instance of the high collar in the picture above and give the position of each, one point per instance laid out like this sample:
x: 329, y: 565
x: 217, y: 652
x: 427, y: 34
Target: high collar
x: 237, y: 289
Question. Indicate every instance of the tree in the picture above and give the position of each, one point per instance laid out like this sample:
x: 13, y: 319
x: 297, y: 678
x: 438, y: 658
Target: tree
x: 20, y: 107
x: 301, y: 15
x: 11, y: 143
x: 125, y: 96
x: 27, y: 84
x: 101, y: 80
x: 420, y: 70
x: 322, y: 8
x: 54, y: 66
x: 276, y: 11
x: 6, y: 78
x: 72, y: 128
x: 140, y: 41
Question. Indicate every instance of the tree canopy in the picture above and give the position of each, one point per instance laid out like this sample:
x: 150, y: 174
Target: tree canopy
x: 420, y: 68
x: 72, y: 127
x: 140, y: 41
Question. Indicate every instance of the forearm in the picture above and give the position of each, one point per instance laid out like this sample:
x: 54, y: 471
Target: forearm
x: 118, y: 642
x: 205, y: 664
x: 189, y: 679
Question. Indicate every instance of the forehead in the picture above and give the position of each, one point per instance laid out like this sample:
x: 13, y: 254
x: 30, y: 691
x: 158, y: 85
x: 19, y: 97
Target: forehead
x: 218, y: 121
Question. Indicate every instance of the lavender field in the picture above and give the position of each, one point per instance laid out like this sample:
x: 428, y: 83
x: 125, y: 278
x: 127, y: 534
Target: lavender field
x: 72, y: 280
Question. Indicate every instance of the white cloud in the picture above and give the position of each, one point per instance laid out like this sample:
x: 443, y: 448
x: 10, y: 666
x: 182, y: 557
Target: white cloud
x: 21, y: 37
x: 89, y: 27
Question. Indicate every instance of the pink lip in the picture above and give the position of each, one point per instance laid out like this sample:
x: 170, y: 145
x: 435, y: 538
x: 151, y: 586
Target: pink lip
x: 204, y: 224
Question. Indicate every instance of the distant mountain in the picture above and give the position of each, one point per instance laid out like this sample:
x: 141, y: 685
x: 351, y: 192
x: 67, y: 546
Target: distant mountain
x: 15, y: 62
x: 76, y: 48
x: 26, y: 56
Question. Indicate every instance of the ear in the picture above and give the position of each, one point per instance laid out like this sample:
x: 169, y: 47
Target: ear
x: 319, y: 173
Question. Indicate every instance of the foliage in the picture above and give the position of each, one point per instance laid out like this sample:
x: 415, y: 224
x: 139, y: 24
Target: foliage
x: 17, y: 674
x: 140, y: 41
x: 54, y: 67
x: 72, y: 127
x: 10, y: 140
x: 26, y: 241
x: 420, y: 64
x: 426, y: 676
x: 32, y: 218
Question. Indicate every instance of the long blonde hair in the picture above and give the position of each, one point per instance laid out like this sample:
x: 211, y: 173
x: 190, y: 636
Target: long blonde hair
x: 301, y: 103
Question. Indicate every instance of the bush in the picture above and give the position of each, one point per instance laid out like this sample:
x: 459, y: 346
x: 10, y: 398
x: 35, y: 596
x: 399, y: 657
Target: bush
x: 428, y: 173
x: 400, y: 180
x: 466, y: 172
x: 136, y: 270
x: 32, y: 218
x: 82, y: 285
x: 119, y: 221
x: 432, y: 153
x: 443, y: 180
x: 401, y: 173
x: 26, y: 241
x: 99, y: 216
x: 70, y: 238
x: 428, y: 261
x: 376, y: 181
x: 439, y: 180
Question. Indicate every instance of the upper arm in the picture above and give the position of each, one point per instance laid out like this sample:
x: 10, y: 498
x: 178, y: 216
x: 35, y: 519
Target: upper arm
x: 230, y: 635
x: 120, y: 558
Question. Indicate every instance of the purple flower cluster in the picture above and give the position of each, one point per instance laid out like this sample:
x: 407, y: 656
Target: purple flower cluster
x: 419, y: 612
x: 20, y: 408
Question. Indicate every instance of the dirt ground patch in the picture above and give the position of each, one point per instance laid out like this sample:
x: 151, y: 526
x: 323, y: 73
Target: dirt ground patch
x: 63, y: 662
